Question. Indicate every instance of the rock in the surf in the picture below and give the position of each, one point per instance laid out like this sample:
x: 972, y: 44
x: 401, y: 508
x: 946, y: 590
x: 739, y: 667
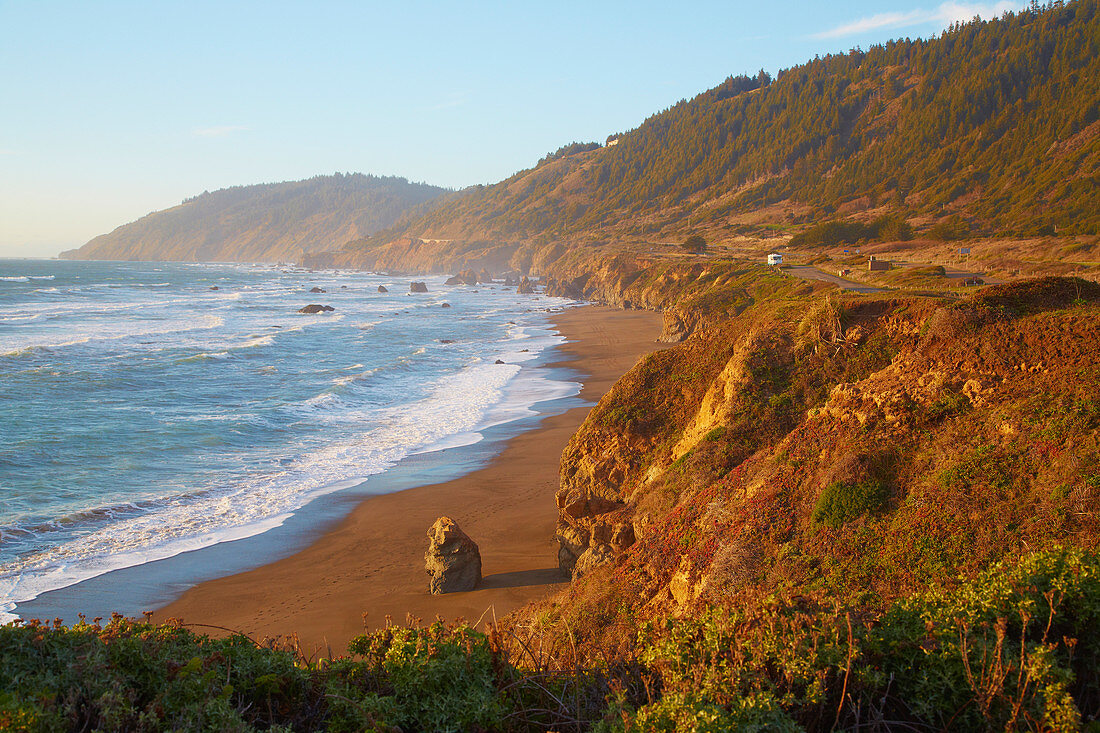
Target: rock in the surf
x: 466, y: 277
x: 316, y: 289
x: 453, y: 560
x: 315, y: 308
x: 444, y: 305
x: 415, y: 287
x: 526, y: 287
x: 484, y: 276
x: 383, y: 289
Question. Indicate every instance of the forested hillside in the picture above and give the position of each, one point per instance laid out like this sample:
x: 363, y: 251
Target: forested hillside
x: 263, y: 223
x: 995, y: 122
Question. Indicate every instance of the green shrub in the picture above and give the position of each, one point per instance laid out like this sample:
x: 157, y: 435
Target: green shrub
x: 439, y: 678
x: 842, y: 502
x: 1005, y: 650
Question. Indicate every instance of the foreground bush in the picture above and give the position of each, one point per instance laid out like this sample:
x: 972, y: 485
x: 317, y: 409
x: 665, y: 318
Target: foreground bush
x: 1014, y: 648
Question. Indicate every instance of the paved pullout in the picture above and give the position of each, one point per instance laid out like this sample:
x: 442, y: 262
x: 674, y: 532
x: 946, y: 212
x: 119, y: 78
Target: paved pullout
x: 812, y: 273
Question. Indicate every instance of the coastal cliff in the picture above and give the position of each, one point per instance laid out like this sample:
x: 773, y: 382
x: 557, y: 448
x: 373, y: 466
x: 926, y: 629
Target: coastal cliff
x: 858, y: 448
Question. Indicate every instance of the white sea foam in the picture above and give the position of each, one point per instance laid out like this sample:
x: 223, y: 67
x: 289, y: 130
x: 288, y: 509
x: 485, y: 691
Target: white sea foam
x: 343, y: 437
x: 118, y: 330
x: 450, y: 415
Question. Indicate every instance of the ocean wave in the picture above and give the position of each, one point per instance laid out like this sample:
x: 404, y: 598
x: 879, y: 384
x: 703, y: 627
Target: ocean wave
x: 328, y: 441
x: 181, y: 325
x: 14, y: 278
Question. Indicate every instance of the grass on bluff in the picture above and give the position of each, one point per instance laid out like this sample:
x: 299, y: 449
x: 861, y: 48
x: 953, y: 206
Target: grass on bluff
x: 1012, y: 648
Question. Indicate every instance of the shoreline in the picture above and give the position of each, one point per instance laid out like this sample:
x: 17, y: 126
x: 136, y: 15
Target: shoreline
x: 452, y: 427
x: 369, y: 566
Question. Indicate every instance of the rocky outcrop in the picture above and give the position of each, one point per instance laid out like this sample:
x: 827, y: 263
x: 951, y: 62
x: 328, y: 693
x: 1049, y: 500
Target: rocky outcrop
x: 316, y: 308
x: 453, y: 561
x: 484, y: 277
x: 526, y: 287
x: 466, y: 277
x: 418, y: 287
x: 591, y: 531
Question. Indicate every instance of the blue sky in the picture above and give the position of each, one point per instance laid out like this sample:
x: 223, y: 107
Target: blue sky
x: 109, y: 110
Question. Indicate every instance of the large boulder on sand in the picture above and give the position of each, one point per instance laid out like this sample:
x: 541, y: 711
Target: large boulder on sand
x: 415, y: 287
x: 315, y: 308
x: 453, y: 561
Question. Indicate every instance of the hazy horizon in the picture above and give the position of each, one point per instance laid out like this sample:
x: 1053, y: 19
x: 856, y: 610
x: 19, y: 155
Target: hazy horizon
x: 116, y: 111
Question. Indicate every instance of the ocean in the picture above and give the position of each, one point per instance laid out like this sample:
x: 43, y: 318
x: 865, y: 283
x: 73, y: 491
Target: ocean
x: 149, y: 410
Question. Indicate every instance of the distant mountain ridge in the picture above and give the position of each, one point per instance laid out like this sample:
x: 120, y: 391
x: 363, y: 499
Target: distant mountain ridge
x: 992, y: 127
x: 263, y: 223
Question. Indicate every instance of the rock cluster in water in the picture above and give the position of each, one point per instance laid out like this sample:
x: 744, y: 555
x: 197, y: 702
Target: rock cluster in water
x: 316, y: 308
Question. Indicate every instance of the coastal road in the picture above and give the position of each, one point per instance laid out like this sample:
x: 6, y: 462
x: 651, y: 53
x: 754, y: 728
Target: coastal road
x: 812, y: 273
x: 952, y: 273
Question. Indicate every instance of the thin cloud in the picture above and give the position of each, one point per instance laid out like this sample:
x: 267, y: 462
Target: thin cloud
x: 218, y: 130
x: 8, y: 152
x: 452, y: 100
x: 945, y: 14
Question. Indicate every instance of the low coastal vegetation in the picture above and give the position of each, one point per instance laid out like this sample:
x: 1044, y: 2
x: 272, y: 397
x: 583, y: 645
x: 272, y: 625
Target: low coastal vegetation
x: 1013, y: 648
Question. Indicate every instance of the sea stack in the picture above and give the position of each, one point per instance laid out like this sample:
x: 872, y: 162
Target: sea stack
x: 466, y: 277
x: 453, y: 560
x: 415, y: 287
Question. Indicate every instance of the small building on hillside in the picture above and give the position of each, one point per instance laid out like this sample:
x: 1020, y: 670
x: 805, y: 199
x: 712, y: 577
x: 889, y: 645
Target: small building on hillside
x: 775, y: 259
x: 873, y: 264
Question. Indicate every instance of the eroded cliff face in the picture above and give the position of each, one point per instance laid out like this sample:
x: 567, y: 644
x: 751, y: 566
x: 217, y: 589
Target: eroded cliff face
x: 694, y: 293
x: 867, y: 446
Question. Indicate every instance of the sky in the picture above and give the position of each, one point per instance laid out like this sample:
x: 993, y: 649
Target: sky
x: 110, y: 110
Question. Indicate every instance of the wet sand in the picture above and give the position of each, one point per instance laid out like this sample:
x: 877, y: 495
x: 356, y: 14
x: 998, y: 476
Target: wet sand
x: 372, y: 562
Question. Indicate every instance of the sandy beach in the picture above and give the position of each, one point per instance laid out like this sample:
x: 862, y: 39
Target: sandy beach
x: 372, y: 562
